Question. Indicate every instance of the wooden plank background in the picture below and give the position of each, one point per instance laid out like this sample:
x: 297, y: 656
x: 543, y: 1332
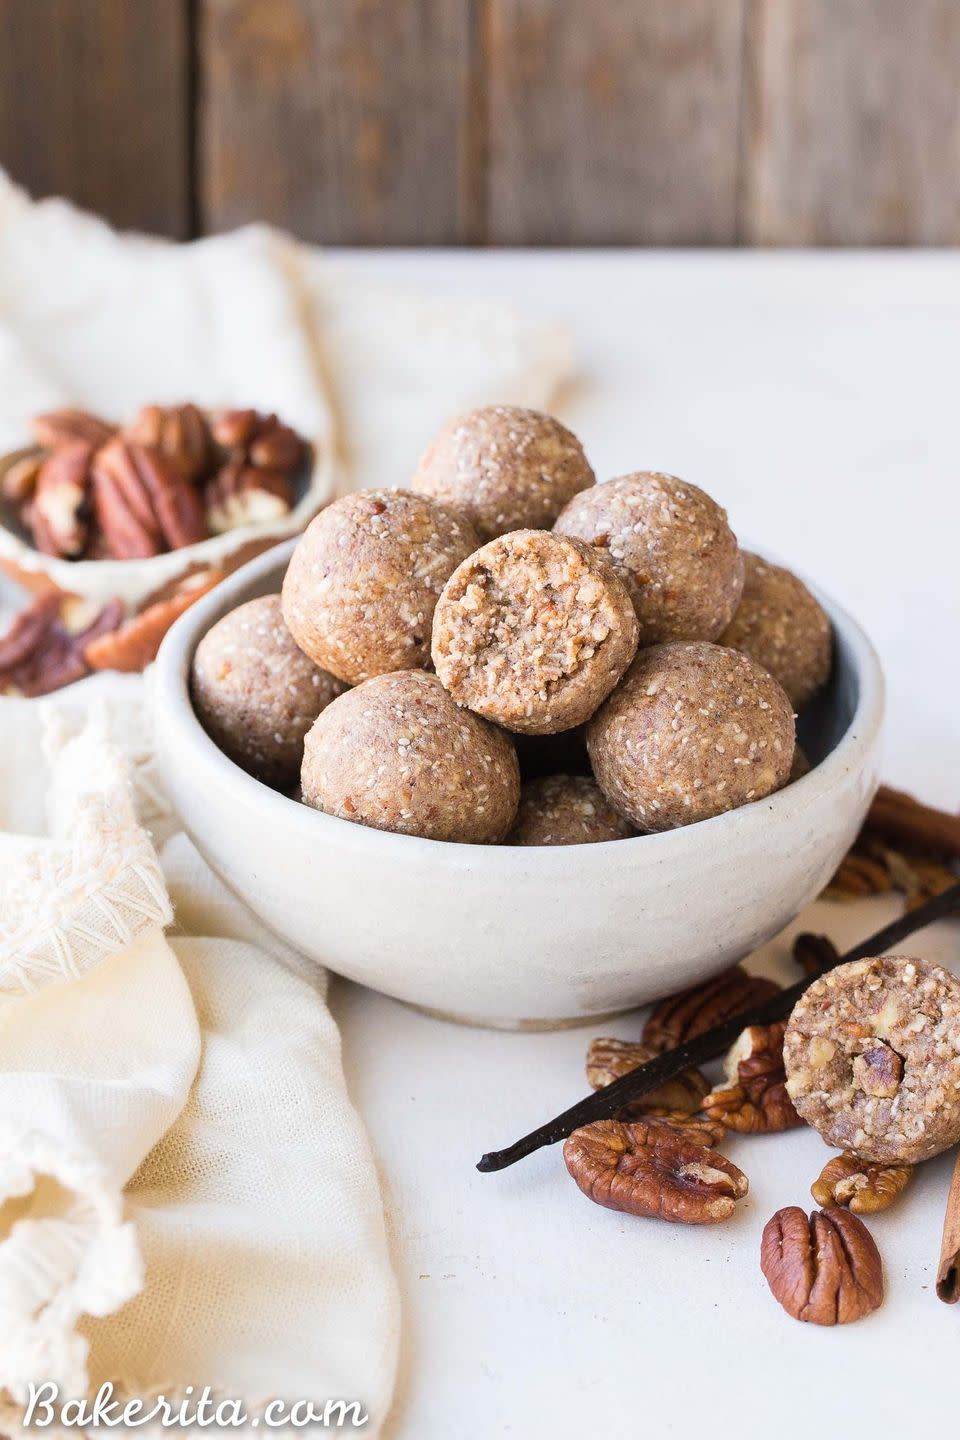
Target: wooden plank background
x: 527, y: 122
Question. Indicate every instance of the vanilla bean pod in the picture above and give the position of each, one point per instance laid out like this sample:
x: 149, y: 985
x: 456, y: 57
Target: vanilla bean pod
x: 606, y: 1104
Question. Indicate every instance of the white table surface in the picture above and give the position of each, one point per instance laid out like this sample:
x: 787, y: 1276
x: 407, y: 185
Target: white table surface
x: 816, y: 397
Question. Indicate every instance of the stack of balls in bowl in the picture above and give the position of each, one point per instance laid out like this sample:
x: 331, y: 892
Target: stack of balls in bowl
x: 507, y: 616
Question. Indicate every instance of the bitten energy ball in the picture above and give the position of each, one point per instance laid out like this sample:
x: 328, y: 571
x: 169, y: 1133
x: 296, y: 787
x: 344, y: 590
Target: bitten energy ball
x: 363, y: 582
x: 256, y: 693
x: 566, y: 810
x: 672, y: 547
x: 872, y: 1054
x: 397, y: 754
x: 692, y: 731
x: 504, y: 468
x: 533, y: 631
x: 781, y: 626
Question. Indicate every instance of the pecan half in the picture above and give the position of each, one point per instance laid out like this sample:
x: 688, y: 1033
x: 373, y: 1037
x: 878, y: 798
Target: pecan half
x: 143, y: 505
x: 608, y: 1059
x: 179, y: 432
x: 858, y: 875
x: 754, y: 1100
x: 59, y: 514
x: 66, y: 427
x: 694, y: 1011
x: 814, y: 953
x: 242, y: 494
x: 261, y: 440
x: 135, y: 644
x: 44, y: 648
x: 825, y: 1269
x: 19, y: 478
x: 652, y: 1169
x: 860, y: 1185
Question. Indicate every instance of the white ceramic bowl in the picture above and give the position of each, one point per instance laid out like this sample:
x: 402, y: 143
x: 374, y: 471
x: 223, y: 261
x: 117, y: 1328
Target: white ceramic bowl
x: 522, y: 938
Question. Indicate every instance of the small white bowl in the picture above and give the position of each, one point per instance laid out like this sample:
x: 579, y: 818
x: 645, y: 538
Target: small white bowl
x: 522, y: 938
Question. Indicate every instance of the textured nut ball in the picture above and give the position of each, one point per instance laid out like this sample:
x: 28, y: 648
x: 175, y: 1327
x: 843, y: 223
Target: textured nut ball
x: 566, y: 810
x: 256, y: 693
x: 533, y: 631
x: 397, y: 754
x: 692, y: 731
x: 781, y: 626
x: 361, y: 587
x: 672, y: 547
x: 504, y: 468
x: 872, y: 1054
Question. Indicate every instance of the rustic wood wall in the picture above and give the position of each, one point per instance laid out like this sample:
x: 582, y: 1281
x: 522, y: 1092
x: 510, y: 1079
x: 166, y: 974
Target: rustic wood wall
x: 529, y: 122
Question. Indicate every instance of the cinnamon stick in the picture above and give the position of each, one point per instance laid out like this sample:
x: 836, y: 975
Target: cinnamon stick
x: 895, y: 815
x: 948, y: 1271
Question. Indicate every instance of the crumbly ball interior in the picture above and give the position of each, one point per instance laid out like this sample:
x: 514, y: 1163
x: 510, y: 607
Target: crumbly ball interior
x: 533, y: 631
x: 566, y: 810
x: 363, y: 582
x: 398, y: 754
x: 692, y: 731
x: 256, y: 693
x: 672, y: 547
x: 872, y: 1053
x: 505, y: 468
x: 783, y: 627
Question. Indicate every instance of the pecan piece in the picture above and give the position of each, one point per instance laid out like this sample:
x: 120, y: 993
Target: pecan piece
x: 143, y: 505
x: 66, y: 427
x: 652, y: 1169
x: 242, y: 494
x: 608, y: 1059
x: 698, y: 1129
x: 20, y: 477
x: 814, y: 953
x: 694, y: 1011
x: 59, y: 514
x: 261, y: 440
x: 44, y: 648
x: 754, y: 1100
x: 179, y: 432
x: 860, y: 1185
x: 825, y: 1269
x: 134, y: 644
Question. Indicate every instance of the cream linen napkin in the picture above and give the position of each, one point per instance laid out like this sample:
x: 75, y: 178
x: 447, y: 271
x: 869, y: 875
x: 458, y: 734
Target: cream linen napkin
x: 186, y: 1194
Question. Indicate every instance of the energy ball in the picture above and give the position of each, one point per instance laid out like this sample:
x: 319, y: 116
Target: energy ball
x: 781, y: 626
x: 398, y: 754
x: 533, y: 631
x: 256, y: 694
x: 872, y: 1054
x: 504, y: 468
x: 362, y: 584
x: 566, y: 810
x: 672, y: 548
x: 693, y: 730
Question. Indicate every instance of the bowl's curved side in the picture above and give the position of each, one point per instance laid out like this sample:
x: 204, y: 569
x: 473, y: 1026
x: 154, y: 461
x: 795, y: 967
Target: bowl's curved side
x: 517, y: 937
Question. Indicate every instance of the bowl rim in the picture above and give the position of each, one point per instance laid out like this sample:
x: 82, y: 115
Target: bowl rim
x: 169, y: 693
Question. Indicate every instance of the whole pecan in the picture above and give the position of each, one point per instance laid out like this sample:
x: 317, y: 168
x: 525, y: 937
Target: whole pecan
x: 608, y: 1059
x: 261, y: 440
x: 134, y: 644
x: 651, y: 1169
x: 180, y: 433
x: 142, y: 504
x: 860, y: 1185
x: 66, y: 427
x: 59, y: 513
x: 754, y: 1099
x: 825, y: 1269
x: 244, y: 494
x: 814, y: 953
x: 45, y: 647
x: 694, y: 1011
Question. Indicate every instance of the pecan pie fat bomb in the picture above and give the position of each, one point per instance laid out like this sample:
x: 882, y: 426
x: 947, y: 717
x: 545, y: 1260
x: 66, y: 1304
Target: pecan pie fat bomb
x: 872, y: 1054
x: 362, y: 584
x: 672, y: 547
x: 504, y: 468
x: 783, y: 627
x: 692, y: 731
x: 256, y: 694
x: 566, y: 810
x: 398, y: 754
x: 533, y: 632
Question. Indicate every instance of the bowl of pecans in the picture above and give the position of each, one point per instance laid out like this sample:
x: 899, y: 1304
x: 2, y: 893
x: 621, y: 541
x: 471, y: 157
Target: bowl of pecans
x: 120, y: 513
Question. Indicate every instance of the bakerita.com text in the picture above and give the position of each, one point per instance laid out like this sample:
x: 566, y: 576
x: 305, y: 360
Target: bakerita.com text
x: 190, y: 1407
